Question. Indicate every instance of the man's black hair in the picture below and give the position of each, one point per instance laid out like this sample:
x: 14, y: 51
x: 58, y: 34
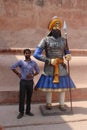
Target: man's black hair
x: 26, y: 50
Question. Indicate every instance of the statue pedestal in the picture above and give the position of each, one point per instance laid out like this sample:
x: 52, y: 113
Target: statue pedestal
x: 55, y: 111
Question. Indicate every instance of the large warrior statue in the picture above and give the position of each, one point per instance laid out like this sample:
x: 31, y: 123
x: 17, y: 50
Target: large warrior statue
x: 55, y: 77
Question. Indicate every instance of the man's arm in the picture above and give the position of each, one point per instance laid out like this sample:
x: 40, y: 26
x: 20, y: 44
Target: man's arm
x: 13, y: 68
x: 16, y: 72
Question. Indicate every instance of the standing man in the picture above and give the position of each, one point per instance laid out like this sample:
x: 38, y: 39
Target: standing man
x: 55, y: 77
x: 28, y: 69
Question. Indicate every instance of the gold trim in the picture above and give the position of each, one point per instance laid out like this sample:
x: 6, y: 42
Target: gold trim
x: 55, y: 90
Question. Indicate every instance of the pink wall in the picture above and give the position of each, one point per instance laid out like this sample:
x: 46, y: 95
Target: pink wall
x: 25, y: 21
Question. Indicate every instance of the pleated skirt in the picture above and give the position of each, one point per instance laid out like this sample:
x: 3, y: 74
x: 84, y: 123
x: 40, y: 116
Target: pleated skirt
x: 45, y: 83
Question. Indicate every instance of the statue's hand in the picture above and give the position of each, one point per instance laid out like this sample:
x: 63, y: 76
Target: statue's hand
x: 53, y: 61
x: 68, y: 57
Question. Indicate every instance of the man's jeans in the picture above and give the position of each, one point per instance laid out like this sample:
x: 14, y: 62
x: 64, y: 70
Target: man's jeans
x: 26, y: 90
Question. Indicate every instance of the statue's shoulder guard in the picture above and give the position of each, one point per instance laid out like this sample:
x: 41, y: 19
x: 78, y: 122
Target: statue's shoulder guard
x: 42, y: 43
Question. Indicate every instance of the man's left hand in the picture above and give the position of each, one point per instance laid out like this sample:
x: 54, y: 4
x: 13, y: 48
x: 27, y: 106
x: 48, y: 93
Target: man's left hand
x: 29, y: 76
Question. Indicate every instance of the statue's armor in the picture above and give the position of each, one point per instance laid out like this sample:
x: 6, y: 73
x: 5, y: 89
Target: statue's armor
x: 54, y: 48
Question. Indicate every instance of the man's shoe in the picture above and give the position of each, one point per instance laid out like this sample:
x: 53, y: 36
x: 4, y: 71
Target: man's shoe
x: 62, y: 108
x: 20, y: 115
x: 29, y: 114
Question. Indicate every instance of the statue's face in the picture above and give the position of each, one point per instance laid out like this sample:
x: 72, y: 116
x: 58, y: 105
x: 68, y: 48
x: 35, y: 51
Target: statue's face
x: 56, y: 30
x: 56, y: 26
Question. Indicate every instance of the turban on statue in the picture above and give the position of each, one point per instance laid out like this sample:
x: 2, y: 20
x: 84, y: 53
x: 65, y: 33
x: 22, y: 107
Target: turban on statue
x: 53, y: 21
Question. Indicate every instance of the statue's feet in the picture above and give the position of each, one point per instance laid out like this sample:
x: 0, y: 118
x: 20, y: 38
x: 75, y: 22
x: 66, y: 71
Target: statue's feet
x: 62, y: 108
x: 48, y: 106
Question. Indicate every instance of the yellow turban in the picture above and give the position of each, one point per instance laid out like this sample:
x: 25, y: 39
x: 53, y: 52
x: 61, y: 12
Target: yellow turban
x: 53, y: 21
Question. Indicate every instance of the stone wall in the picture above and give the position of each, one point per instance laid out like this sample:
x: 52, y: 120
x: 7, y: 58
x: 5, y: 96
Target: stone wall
x: 24, y: 22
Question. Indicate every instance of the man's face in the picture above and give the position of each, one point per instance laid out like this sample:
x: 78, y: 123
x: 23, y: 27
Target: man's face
x: 27, y: 54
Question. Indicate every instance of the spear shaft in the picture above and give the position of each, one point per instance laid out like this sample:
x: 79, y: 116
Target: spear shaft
x: 68, y: 66
x: 69, y: 84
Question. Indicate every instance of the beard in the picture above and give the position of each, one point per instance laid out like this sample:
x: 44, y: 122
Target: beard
x: 27, y: 57
x: 56, y: 33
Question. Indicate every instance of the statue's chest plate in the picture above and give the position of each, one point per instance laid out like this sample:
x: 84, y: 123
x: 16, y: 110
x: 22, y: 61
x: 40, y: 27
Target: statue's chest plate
x: 55, y: 48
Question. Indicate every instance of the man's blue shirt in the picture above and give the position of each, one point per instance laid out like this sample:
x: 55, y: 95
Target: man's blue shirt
x: 26, y: 68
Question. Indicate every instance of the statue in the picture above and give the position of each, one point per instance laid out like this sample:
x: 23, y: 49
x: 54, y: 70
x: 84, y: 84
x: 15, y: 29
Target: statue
x: 55, y: 77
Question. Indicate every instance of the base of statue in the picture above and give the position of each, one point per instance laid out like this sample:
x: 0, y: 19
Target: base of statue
x: 55, y: 110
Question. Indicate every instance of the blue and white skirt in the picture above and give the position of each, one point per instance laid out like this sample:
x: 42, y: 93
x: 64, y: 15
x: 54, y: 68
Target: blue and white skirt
x: 45, y: 83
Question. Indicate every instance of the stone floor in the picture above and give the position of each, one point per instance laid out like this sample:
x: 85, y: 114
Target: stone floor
x: 77, y: 120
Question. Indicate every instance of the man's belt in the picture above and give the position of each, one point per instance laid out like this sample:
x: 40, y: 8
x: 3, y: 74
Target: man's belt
x: 56, y: 70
